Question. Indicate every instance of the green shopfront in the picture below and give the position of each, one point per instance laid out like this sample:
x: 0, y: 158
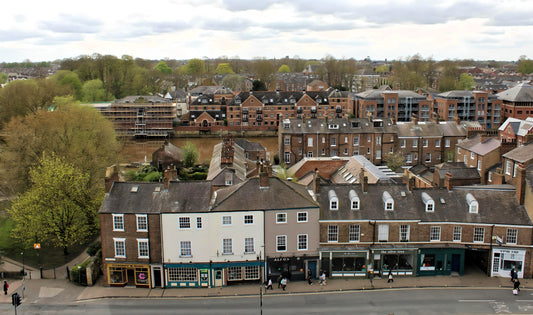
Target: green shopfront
x: 440, y: 261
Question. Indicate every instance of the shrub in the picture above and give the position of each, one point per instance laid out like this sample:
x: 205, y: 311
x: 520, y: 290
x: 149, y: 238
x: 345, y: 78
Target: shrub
x: 94, y: 248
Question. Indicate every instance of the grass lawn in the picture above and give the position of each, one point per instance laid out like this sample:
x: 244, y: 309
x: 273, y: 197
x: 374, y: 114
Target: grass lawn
x: 47, y: 257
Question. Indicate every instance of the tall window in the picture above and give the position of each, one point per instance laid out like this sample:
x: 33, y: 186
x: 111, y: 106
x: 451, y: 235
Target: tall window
x: 184, y: 222
x: 434, y: 233
x: 415, y: 143
x: 383, y: 233
x: 198, y: 222
x: 437, y: 143
x: 355, y: 141
x: 281, y: 243
x: 447, y: 143
x: 479, y: 234
x: 248, y: 245
x: 142, y: 245
x: 457, y: 233
x: 404, y: 233
x: 185, y: 249
x: 142, y: 222
x: 354, y: 233
x: 281, y: 217
x: 118, y: 222
x: 120, y: 247
x: 249, y: 219
x: 309, y: 142
x: 402, y: 143
x: 333, y: 233
x: 512, y: 236
x: 508, y: 166
x: 425, y: 143
x: 287, y: 157
x: 227, y: 246
x: 226, y: 220
x: 302, y: 216
x: 286, y: 141
x: 302, y: 241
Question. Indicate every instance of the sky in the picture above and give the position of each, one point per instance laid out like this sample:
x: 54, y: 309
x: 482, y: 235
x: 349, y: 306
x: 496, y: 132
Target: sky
x: 309, y: 29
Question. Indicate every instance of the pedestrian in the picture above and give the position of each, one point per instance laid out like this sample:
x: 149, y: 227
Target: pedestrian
x: 323, y: 278
x: 516, y: 286
x: 309, y: 277
x: 6, y: 286
x: 280, y: 278
x: 269, y: 284
x: 283, y: 283
x: 391, y: 279
x: 514, y: 274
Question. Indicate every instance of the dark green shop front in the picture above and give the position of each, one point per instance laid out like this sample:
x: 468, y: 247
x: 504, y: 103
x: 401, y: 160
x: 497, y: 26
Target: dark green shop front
x: 440, y: 261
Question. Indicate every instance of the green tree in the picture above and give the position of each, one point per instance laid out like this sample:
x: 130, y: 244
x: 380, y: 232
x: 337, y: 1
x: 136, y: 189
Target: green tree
x: 525, y: 66
x: 224, y: 68
x: 284, y: 69
x: 93, y: 91
x: 59, y: 208
x: 69, y: 79
x: 394, y: 161
x: 195, y: 68
x: 190, y: 155
x: 3, y: 78
x: 79, y: 134
x: 264, y: 71
x: 466, y: 82
x: 258, y: 85
x: 234, y: 81
x: 163, y: 67
x: 382, y: 69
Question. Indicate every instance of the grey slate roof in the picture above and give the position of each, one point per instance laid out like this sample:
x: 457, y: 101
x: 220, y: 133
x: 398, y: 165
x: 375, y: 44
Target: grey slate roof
x: 248, y: 195
x: 522, y: 92
x: 238, y: 166
x: 378, y: 94
x: 475, y: 145
x: 497, y: 204
x: 124, y: 198
x: 249, y: 146
x: 521, y: 154
x: 187, y: 196
x: 520, y: 127
x: 298, y: 126
x: 458, y: 170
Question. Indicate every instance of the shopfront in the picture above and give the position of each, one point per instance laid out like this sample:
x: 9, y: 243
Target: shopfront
x: 402, y: 262
x: 348, y: 263
x: 440, y: 261
x: 505, y: 259
x: 294, y: 268
x: 121, y: 275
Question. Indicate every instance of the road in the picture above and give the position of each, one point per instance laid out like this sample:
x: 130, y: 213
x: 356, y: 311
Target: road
x: 402, y: 301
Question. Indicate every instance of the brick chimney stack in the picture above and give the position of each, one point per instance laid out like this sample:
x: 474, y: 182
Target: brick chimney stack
x: 169, y: 174
x: 263, y: 176
x: 448, y: 181
x: 414, y: 119
x: 520, y: 184
x: 410, y: 183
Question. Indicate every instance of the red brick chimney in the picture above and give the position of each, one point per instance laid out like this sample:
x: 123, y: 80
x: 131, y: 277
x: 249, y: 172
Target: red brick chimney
x: 168, y: 175
x: 316, y: 182
x: 364, y: 184
x: 448, y: 181
x: 520, y: 184
x: 414, y: 119
x: 263, y: 176
x: 497, y: 177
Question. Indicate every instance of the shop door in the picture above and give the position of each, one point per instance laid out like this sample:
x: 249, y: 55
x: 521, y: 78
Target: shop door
x: 219, y: 281
x: 157, y: 277
x: 204, y: 278
x: 131, y: 277
x: 456, y: 262
x: 311, y: 265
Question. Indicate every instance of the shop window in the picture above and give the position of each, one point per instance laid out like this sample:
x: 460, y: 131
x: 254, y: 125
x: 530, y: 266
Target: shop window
x: 117, y: 275
x: 349, y: 264
x: 234, y: 273
x: 141, y: 276
x: 182, y: 274
x: 251, y: 272
x: 512, y: 236
x: 142, y: 222
x: 427, y: 262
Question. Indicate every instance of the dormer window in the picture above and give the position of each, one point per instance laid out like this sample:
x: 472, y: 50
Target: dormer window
x: 388, y: 201
x: 354, y: 200
x: 333, y: 200
x: 333, y: 126
x: 429, y: 202
x: 473, y: 205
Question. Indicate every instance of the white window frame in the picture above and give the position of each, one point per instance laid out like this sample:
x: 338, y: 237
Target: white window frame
x: 333, y: 233
x: 457, y: 233
x: 508, y: 167
x: 227, y: 246
x: 472, y: 155
x: 287, y: 141
x: 302, y: 240
x: 354, y: 233
x: 281, y: 217
x: 424, y: 143
x: 310, y: 142
x: 115, y: 223
x: 511, y: 237
x: 226, y: 220
x: 437, y: 143
x: 249, y: 247
x: 479, y: 165
x: 184, y: 222
x: 447, y: 143
x: 355, y: 203
x: 122, y: 241
x: 383, y: 233
x: 434, y: 233
x: 402, y: 143
x: 246, y: 219
x: 479, y: 235
x: 143, y: 241
x: 515, y: 169
x: 185, y: 249
x: 287, y: 157
x: 404, y: 232
x: 281, y: 241
x: 138, y: 218
x: 302, y: 216
x: 415, y: 143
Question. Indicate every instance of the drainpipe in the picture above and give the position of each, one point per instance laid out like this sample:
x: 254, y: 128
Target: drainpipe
x: 491, y: 254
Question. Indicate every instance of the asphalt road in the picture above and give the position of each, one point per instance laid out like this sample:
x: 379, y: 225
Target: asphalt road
x: 402, y: 301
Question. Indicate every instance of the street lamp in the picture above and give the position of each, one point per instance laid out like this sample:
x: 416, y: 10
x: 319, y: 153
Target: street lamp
x: 260, y: 284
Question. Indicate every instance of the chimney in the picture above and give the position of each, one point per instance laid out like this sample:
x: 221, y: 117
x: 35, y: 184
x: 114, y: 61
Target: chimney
x: 410, y: 183
x: 361, y: 175
x: 457, y: 119
x: 448, y: 181
x: 166, y: 178
x: 520, y: 184
x: 369, y: 116
x: 414, y: 119
x: 435, y: 117
x: 316, y: 182
x: 263, y: 176
x: 111, y: 175
x: 364, y: 185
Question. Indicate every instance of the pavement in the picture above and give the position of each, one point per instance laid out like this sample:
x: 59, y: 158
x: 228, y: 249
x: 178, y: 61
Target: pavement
x: 50, y: 291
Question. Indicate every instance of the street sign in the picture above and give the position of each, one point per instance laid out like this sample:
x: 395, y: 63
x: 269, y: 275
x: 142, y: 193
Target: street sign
x: 36, y: 245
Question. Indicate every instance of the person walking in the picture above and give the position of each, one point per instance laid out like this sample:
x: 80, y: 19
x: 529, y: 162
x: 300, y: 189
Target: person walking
x: 391, y: 279
x: 309, y: 277
x: 280, y: 278
x: 516, y: 286
x: 269, y: 284
x: 514, y: 274
x: 323, y: 278
x: 283, y: 283
x: 6, y: 286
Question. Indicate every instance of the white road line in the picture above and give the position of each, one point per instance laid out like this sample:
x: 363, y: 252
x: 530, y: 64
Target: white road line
x: 476, y: 301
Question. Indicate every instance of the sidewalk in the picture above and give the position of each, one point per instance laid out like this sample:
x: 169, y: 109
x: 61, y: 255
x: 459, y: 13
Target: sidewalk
x: 62, y: 291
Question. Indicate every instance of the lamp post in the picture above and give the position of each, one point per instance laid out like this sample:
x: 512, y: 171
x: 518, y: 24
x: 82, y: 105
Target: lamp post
x: 260, y: 284
x: 23, y: 273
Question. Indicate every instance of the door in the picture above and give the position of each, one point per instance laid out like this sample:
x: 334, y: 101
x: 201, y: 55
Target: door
x: 157, y: 277
x: 219, y: 280
x: 456, y: 262
x: 311, y: 265
x: 131, y: 277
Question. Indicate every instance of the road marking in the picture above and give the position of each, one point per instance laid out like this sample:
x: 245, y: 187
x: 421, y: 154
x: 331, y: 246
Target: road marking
x: 475, y: 301
x: 500, y: 307
x: 527, y: 301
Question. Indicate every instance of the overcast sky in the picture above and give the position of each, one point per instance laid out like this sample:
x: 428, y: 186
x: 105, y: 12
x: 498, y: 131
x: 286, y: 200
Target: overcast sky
x: 183, y: 29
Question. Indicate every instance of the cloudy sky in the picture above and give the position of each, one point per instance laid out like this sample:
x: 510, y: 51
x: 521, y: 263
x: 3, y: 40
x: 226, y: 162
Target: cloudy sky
x: 183, y: 29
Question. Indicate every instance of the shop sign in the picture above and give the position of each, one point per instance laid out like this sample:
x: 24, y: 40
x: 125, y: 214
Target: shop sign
x: 393, y: 252
x: 281, y: 259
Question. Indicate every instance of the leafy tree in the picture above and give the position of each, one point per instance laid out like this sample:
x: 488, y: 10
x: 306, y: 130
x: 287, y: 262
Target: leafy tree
x: 93, y: 91
x: 382, y: 69
x: 3, y: 78
x: 394, y: 161
x: 234, y: 81
x: 284, y: 69
x: 258, y: 85
x: 224, y: 68
x: 69, y: 79
x: 163, y: 67
x: 466, y: 82
x: 78, y: 134
x: 190, y: 154
x: 265, y: 70
x: 195, y: 68
x: 525, y: 66
x: 59, y: 208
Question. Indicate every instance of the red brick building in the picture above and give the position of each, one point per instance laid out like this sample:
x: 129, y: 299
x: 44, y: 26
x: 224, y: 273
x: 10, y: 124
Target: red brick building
x: 517, y: 102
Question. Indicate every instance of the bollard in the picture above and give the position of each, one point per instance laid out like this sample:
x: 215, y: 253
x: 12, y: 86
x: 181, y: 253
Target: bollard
x: 41, y: 270
x: 68, y: 274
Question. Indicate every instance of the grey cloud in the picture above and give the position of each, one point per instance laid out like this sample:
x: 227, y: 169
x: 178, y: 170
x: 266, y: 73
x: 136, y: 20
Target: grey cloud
x: 15, y: 35
x: 59, y: 39
x: 145, y: 28
x: 66, y: 23
x: 236, y: 24
x: 243, y: 5
x: 507, y: 18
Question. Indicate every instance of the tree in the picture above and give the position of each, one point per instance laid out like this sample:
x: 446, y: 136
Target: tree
x: 258, y: 85
x: 394, y: 161
x: 234, y: 81
x: 466, y: 82
x: 59, y: 208
x: 265, y: 70
x: 190, y: 154
x: 525, y: 66
x: 284, y: 69
x: 195, y: 68
x: 382, y: 69
x: 224, y: 68
x: 3, y: 78
x: 163, y: 67
x: 69, y: 79
x: 79, y: 134
x: 93, y: 91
